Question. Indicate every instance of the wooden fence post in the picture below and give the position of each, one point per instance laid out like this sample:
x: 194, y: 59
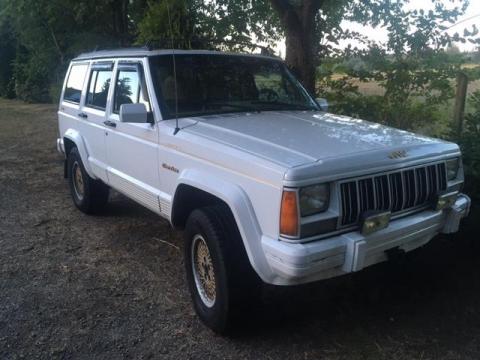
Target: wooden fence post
x: 460, y: 101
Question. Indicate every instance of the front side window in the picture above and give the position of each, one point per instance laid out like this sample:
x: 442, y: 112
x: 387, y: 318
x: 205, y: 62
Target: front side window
x: 130, y: 88
x: 99, y: 84
x: 73, y: 89
x: 215, y: 84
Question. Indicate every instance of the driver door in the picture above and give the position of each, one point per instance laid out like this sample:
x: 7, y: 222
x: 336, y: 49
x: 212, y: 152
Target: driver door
x: 132, y: 149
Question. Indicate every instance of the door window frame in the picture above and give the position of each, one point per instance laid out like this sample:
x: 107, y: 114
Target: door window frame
x: 144, y: 81
x: 96, y: 65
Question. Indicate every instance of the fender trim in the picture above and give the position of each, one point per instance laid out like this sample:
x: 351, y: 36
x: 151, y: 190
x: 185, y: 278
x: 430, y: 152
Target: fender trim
x: 239, y: 203
x: 74, y: 135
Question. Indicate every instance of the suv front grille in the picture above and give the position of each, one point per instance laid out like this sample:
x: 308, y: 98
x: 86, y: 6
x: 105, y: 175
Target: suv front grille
x: 396, y: 191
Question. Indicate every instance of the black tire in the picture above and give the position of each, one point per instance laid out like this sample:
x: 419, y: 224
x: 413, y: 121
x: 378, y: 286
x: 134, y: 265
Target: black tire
x: 237, y: 285
x: 92, y: 196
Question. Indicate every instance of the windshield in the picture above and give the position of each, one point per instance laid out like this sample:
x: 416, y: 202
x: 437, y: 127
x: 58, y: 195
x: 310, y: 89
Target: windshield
x: 216, y: 84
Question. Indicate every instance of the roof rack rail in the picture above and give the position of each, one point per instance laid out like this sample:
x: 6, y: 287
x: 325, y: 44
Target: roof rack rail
x: 148, y: 49
x: 126, y: 48
x: 200, y: 43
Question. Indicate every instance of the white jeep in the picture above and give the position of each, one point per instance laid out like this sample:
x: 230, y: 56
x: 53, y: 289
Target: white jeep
x: 267, y: 187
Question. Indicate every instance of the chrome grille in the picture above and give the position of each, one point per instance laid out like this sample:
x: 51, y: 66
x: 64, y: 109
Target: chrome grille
x: 395, y: 191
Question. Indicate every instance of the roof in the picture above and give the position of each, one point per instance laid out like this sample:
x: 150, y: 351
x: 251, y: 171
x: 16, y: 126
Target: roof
x: 143, y: 52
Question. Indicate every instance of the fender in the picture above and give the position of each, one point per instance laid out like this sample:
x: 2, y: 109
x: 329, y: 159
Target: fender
x: 75, y: 136
x: 238, y: 201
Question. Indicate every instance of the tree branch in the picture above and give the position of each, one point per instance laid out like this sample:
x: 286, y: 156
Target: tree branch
x: 55, y: 42
x: 52, y: 34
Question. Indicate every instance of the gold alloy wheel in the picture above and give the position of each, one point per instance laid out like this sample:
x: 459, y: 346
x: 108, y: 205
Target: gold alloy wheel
x: 203, y: 272
x: 78, y: 184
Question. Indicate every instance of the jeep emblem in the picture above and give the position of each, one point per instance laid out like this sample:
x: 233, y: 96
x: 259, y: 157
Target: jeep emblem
x: 398, y: 154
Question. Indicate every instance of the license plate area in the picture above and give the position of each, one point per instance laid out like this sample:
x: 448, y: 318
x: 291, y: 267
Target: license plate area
x: 373, y: 221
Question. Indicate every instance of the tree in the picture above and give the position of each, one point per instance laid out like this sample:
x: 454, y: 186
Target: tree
x: 167, y: 22
x: 7, y: 55
x: 48, y: 33
x: 233, y: 24
x: 413, y: 68
x: 312, y: 28
x: 298, y: 21
x: 471, y: 147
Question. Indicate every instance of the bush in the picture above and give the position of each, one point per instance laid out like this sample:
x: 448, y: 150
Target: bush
x: 412, y: 113
x: 470, y: 143
x: 32, y: 75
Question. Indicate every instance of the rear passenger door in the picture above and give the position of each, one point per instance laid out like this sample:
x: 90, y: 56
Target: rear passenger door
x: 132, y: 148
x: 93, y: 113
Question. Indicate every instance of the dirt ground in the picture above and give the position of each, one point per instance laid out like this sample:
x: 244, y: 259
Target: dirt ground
x: 112, y: 286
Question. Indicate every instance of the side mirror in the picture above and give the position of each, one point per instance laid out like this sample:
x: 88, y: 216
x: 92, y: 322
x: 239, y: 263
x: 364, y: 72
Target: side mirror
x: 323, y: 103
x: 133, y: 113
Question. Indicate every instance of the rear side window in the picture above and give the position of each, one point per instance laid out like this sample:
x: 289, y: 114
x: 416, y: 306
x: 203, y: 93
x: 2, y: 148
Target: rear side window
x: 73, y: 90
x: 98, y: 86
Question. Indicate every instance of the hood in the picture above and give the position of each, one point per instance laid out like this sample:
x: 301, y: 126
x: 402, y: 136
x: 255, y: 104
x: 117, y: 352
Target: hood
x: 296, y: 138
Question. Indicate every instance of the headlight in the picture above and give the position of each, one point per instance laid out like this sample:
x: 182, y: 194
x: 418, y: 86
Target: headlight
x: 314, y: 199
x: 452, y: 168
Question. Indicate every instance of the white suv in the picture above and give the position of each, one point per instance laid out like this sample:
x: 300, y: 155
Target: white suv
x: 267, y: 186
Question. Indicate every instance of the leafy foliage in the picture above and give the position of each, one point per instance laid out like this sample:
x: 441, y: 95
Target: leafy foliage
x: 219, y: 24
x: 48, y: 33
x: 412, y: 88
x: 412, y: 68
x: 168, y: 22
x: 7, y: 55
x: 414, y: 74
x: 470, y: 144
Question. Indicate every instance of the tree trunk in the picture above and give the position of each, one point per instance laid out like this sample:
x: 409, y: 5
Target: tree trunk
x: 120, y: 21
x: 298, y: 20
x: 299, y: 58
x: 460, y: 101
x: 124, y: 22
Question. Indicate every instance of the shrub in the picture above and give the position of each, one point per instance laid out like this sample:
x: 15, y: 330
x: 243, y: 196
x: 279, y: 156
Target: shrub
x: 470, y: 143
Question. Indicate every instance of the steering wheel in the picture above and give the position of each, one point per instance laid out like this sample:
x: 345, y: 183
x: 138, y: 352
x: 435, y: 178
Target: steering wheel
x: 268, y: 95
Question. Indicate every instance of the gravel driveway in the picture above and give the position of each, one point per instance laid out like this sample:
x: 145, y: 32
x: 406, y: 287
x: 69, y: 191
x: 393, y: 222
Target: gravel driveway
x: 112, y: 286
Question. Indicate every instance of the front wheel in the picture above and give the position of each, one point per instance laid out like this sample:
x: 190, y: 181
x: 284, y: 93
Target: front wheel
x: 220, y: 278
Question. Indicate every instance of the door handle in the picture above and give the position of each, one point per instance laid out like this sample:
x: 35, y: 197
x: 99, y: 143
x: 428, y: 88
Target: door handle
x: 83, y: 115
x: 110, y: 123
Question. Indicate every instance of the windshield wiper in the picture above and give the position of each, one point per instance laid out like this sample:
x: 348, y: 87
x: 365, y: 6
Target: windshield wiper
x: 238, y: 106
x: 289, y: 105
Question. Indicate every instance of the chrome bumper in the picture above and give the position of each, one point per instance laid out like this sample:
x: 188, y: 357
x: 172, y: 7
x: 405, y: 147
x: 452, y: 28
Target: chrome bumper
x: 300, y: 263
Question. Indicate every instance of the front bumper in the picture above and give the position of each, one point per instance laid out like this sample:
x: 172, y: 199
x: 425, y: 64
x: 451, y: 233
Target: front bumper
x: 300, y: 263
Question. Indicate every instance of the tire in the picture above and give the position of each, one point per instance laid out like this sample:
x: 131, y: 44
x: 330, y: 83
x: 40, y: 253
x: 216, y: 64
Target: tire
x: 214, y: 250
x: 89, y: 195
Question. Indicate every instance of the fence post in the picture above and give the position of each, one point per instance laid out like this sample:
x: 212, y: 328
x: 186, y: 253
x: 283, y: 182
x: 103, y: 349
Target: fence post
x: 460, y: 101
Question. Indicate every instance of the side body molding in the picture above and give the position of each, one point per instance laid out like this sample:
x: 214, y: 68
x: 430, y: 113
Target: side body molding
x: 75, y: 136
x: 238, y: 201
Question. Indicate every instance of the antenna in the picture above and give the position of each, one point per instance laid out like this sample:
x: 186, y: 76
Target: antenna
x: 177, y: 129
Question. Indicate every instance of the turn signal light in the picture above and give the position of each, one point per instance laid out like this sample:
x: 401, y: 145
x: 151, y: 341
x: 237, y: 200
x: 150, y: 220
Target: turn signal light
x: 289, y: 214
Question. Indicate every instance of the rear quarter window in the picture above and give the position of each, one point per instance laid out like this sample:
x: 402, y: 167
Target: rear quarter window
x: 76, y: 78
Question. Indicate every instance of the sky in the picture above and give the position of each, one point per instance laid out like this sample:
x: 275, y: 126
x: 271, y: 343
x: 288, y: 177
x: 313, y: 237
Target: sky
x: 380, y: 34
